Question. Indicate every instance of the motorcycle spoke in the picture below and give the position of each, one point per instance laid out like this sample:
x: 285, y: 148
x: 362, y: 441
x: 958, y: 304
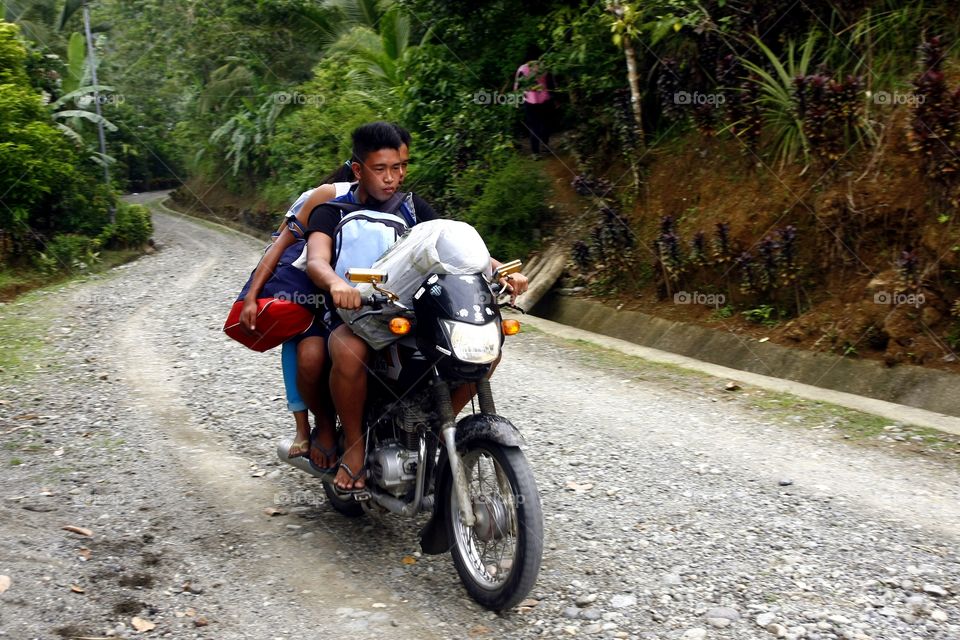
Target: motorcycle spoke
x: 487, y: 483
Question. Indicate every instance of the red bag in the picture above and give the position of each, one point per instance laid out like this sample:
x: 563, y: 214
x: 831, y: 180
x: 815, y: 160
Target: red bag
x: 277, y: 322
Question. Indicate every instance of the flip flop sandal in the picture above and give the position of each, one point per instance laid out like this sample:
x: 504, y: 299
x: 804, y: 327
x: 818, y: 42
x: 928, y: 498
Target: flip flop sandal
x: 330, y: 454
x: 353, y: 480
x: 299, y: 444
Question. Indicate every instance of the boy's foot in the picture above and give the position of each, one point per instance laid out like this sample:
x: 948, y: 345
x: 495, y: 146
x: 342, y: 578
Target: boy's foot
x: 350, y: 475
x: 323, y: 449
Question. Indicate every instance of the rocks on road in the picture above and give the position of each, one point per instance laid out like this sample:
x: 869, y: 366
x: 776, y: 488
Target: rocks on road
x: 687, y: 519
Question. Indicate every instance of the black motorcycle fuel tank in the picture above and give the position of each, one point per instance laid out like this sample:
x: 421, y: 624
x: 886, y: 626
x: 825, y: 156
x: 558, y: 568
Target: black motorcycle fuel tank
x: 457, y: 298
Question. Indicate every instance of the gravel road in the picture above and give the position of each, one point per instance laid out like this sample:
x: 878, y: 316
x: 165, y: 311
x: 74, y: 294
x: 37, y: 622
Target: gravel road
x: 673, y: 509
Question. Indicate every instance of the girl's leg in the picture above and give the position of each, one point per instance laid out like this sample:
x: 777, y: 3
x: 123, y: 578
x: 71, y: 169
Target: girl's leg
x: 295, y: 403
x: 311, y: 380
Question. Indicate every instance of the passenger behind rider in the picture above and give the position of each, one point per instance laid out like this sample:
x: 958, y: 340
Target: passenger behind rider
x: 303, y: 357
x: 377, y: 166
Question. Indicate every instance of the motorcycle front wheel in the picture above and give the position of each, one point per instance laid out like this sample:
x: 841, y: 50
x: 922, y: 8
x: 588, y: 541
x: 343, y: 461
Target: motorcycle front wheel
x: 498, y: 558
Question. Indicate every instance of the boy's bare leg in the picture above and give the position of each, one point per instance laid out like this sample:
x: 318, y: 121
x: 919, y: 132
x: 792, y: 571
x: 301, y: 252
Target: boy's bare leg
x: 311, y: 383
x: 348, y: 386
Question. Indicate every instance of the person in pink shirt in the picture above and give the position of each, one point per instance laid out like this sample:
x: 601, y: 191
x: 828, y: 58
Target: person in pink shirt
x: 537, y: 103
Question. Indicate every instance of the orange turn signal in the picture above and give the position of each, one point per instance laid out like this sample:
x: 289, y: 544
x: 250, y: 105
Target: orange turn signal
x: 400, y: 326
x: 510, y: 327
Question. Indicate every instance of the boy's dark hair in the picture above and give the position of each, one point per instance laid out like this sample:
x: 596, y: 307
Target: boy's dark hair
x: 372, y: 137
x: 403, y: 133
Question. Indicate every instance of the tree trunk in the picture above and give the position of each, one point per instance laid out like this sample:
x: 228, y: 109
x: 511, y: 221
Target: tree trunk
x: 634, y: 80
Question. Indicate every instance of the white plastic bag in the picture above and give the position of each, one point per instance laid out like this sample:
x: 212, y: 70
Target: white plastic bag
x: 436, y: 246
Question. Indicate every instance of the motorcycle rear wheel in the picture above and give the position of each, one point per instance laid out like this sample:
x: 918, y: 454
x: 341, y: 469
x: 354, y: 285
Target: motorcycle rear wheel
x: 498, y: 559
x: 344, y: 506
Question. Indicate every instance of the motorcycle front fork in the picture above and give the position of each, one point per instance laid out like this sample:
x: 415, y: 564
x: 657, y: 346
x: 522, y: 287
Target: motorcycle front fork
x: 449, y: 430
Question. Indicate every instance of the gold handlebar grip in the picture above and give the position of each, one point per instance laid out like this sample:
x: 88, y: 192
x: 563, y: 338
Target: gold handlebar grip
x: 369, y: 276
x: 507, y: 268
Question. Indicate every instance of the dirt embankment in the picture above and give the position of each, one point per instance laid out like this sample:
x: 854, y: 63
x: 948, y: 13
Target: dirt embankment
x: 877, y: 246
x: 877, y: 249
x: 245, y: 211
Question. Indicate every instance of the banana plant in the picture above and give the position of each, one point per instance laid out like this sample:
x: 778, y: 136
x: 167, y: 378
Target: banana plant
x: 69, y: 114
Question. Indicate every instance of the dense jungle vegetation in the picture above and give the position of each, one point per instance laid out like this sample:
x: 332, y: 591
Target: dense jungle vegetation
x: 779, y: 154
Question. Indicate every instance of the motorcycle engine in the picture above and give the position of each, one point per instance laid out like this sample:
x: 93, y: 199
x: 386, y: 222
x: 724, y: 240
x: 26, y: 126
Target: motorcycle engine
x: 394, y: 468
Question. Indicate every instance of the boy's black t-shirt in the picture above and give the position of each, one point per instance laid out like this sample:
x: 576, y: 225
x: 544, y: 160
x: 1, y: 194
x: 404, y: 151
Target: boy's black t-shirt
x: 325, y: 217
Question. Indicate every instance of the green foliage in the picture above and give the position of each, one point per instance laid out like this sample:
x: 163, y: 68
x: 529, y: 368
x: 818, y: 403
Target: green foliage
x: 131, y: 229
x: 76, y: 63
x: 776, y: 97
x: 13, y: 56
x: 724, y: 312
x: 453, y: 130
x: 35, y: 158
x: 509, y: 208
x: 46, y: 188
x: 765, y: 314
x: 68, y: 253
x: 311, y: 141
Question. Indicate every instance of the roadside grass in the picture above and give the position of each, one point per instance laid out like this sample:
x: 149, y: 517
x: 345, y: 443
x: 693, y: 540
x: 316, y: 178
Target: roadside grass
x: 16, y: 282
x: 643, y: 369
x: 855, y: 424
x: 27, y: 320
x: 784, y: 410
x: 216, y: 225
x: 22, y: 335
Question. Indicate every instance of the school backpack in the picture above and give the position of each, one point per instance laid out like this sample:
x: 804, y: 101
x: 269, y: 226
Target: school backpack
x: 363, y: 234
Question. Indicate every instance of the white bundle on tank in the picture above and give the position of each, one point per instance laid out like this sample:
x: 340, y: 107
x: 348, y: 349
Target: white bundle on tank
x: 436, y: 246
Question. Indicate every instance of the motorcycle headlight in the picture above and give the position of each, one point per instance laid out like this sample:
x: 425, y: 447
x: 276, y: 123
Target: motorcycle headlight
x: 476, y: 344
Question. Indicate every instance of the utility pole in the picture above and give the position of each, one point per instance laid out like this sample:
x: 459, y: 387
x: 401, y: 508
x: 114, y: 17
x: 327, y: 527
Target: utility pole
x: 96, y: 101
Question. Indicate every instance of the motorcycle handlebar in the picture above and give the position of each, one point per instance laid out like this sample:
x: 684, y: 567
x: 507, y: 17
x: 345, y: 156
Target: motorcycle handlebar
x: 375, y: 300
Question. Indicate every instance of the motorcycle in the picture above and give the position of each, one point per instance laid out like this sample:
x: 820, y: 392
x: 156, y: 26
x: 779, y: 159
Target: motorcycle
x: 469, y: 475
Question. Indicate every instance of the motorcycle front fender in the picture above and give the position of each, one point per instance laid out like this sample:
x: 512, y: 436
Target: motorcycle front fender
x: 473, y: 428
x: 483, y: 426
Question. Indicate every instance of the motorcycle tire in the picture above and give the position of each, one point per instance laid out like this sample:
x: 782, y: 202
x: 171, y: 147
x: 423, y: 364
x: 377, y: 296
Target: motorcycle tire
x: 344, y: 506
x: 498, y: 594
